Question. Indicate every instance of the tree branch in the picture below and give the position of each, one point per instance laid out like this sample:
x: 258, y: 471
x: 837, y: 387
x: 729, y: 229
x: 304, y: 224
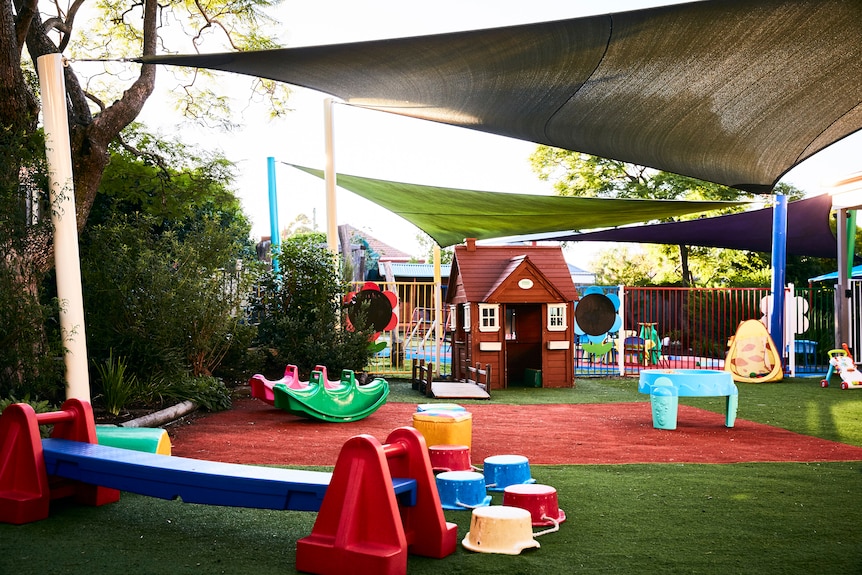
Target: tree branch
x: 210, y: 21
x: 26, y: 11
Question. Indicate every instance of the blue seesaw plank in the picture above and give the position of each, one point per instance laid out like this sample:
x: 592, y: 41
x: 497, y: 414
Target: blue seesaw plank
x: 195, y: 480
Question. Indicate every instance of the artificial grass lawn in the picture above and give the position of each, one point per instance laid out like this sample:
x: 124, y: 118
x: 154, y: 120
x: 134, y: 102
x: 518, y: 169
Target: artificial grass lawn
x: 760, y: 518
x: 740, y: 518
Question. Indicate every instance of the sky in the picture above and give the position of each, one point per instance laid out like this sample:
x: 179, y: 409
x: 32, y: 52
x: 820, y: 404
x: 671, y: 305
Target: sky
x: 385, y: 146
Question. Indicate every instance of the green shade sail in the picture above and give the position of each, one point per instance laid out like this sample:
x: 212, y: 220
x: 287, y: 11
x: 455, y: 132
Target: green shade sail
x: 449, y: 215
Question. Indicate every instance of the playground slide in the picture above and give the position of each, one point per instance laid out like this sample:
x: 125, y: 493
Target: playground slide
x: 348, y: 402
x: 752, y: 356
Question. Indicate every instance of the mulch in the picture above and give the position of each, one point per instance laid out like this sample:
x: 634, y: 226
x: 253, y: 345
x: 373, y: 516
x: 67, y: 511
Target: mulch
x: 254, y: 432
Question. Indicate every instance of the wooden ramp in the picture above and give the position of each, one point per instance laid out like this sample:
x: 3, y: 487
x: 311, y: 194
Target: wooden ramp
x: 457, y: 390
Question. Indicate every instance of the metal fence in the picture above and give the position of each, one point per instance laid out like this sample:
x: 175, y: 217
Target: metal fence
x: 417, y: 334
x: 691, y: 326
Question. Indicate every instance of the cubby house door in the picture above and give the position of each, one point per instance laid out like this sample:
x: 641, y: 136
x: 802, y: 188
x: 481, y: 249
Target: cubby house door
x: 523, y: 344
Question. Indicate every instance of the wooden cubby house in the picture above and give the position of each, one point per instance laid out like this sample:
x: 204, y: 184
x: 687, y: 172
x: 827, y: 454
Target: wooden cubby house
x: 511, y: 307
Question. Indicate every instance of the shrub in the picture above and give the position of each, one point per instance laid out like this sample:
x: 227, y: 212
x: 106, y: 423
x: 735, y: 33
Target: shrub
x: 302, y: 316
x: 39, y: 406
x: 118, y: 388
x: 169, y: 302
x: 208, y: 392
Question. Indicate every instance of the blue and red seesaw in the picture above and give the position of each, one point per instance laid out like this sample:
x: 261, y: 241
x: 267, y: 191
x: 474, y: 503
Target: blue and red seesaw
x: 379, y: 503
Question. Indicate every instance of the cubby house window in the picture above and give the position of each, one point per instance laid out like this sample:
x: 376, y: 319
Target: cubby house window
x: 453, y: 317
x: 465, y: 308
x: 489, y: 317
x: 556, y: 317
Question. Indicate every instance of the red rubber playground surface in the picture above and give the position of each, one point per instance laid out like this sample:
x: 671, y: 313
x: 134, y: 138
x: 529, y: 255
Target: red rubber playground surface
x: 256, y: 433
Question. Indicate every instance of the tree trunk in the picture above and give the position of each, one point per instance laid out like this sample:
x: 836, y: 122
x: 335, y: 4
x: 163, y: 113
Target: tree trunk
x: 29, y: 259
x: 686, y: 273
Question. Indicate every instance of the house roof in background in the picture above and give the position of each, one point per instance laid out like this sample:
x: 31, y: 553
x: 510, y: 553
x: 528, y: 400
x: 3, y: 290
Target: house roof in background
x: 581, y: 276
x: 415, y: 270
x: 384, y: 250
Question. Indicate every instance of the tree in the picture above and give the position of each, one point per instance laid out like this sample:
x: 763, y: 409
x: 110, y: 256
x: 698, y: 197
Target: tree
x: 426, y: 244
x: 130, y: 27
x: 26, y: 354
x: 652, y: 265
x: 302, y: 316
x: 577, y: 174
x: 301, y: 224
x: 159, y: 257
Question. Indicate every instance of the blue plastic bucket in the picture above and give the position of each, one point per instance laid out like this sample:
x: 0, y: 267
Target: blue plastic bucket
x: 462, y: 490
x: 502, y: 471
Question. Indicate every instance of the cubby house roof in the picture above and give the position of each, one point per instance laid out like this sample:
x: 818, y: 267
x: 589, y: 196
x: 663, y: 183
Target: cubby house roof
x: 483, y: 269
x: 522, y: 267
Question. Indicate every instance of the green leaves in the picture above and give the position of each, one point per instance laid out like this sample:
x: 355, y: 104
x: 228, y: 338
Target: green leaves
x: 118, y: 388
x: 302, y: 316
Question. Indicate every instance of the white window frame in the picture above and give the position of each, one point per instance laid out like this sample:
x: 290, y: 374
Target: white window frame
x: 491, y: 321
x: 453, y: 317
x: 557, y: 312
x: 466, y: 316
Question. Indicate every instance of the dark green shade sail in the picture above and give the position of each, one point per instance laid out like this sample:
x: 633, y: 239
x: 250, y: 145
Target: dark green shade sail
x: 735, y: 92
x: 449, y: 215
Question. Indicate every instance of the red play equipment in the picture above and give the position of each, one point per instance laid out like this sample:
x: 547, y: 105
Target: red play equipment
x: 380, y: 502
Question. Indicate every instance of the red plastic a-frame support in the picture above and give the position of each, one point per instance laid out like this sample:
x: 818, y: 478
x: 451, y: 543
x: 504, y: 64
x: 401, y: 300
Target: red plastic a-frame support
x: 360, y: 527
x: 25, y: 492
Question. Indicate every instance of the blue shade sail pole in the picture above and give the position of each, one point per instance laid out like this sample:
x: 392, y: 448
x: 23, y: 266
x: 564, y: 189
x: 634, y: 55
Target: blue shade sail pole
x: 275, y: 237
x: 779, y: 263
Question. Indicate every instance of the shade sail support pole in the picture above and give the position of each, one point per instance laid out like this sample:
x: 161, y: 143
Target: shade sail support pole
x: 275, y: 234
x: 438, y: 307
x: 842, y: 288
x: 329, y: 177
x: 67, y: 260
x: 779, y: 264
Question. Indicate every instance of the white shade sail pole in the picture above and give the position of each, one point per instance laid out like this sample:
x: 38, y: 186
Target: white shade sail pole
x: 67, y: 260
x: 329, y: 178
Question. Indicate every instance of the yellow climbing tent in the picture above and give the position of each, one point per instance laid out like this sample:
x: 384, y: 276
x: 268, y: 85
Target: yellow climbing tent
x: 752, y: 356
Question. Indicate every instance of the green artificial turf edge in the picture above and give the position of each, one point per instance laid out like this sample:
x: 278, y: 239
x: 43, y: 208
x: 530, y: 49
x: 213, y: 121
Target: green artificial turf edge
x: 672, y: 518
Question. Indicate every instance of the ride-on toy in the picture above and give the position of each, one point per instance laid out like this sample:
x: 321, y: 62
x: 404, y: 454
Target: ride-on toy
x: 841, y: 361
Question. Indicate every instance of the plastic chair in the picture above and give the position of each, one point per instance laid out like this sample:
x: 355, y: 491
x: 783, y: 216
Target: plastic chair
x: 633, y: 350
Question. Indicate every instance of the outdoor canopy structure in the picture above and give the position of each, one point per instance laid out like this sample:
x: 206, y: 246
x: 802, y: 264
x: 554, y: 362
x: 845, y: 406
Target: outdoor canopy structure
x: 735, y: 92
x: 450, y: 215
x: 808, y: 231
